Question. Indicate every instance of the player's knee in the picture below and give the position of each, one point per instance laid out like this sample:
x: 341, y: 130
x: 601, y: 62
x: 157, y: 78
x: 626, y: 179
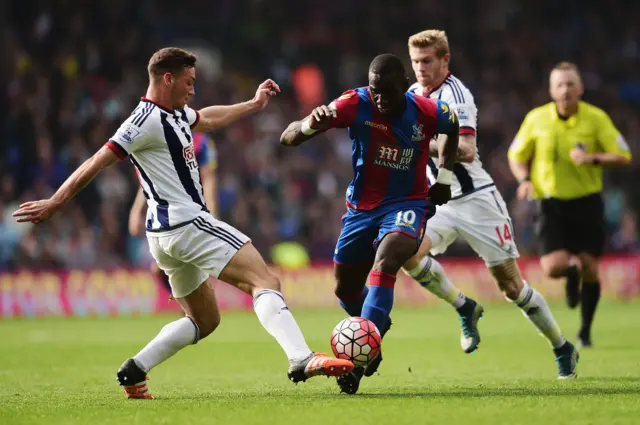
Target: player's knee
x: 387, y: 265
x: 510, y: 288
x: 413, y: 262
x: 208, y: 324
x: 554, y: 269
x: 393, y: 252
x: 423, y: 251
x: 555, y: 264
x: 507, y: 276
x: 268, y: 281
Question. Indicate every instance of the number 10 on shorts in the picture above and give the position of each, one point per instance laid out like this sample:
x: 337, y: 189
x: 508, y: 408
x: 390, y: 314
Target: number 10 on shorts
x: 406, y: 217
x: 504, y: 233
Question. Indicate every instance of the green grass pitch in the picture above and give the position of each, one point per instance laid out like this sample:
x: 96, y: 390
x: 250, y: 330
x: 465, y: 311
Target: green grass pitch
x: 62, y: 371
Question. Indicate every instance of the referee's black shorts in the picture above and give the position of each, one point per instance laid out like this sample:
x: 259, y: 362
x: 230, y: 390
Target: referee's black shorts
x: 575, y: 225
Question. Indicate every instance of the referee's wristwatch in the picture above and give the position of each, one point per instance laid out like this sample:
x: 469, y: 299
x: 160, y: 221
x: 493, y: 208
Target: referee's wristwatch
x: 526, y: 179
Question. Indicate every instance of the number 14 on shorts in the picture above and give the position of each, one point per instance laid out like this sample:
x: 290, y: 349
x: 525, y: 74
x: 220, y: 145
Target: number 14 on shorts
x: 504, y: 233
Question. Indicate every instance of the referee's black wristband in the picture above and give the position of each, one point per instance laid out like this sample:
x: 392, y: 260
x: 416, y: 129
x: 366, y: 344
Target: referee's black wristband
x: 526, y: 179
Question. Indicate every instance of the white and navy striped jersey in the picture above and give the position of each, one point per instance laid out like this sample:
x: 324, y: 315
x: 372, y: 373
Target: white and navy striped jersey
x: 159, y: 144
x: 469, y: 178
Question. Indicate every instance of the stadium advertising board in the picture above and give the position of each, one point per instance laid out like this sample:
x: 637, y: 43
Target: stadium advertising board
x: 132, y: 292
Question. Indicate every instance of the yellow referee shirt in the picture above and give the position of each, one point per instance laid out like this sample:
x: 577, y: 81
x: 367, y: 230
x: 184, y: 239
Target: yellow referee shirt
x: 545, y: 139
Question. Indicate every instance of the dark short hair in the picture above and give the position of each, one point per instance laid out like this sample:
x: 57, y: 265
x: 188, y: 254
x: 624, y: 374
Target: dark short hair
x: 387, y: 65
x: 170, y: 59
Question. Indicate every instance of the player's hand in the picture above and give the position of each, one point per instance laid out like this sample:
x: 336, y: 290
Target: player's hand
x: 579, y: 156
x: 322, y: 118
x: 525, y: 191
x: 265, y: 92
x: 440, y: 193
x: 36, y: 211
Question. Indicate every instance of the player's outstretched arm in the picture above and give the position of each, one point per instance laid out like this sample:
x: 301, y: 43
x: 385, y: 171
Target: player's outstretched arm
x: 321, y: 119
x: 218, y: 116
x: 38, y: 211
x: 293, y: 135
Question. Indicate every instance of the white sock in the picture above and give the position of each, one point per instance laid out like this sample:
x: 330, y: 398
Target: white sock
x: 172, y: 338
x: 430, y: 274
x: 276, y: 318
x: 535, y: 309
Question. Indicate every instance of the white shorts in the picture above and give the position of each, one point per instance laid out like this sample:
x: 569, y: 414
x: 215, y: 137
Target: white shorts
x: 482, y: 220
x: 192, y: 253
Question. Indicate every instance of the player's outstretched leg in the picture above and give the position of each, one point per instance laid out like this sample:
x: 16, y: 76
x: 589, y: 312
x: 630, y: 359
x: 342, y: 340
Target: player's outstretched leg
x: 428, y: 272
x: 534, y: 307
x: 352, y: 292
x: 202, y: 319
x: 351, y: 288
x: 396, y: 237
x: 248, y: 272
x: 393, y: 251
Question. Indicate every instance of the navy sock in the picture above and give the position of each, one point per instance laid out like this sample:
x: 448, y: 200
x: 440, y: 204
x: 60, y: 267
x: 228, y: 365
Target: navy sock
x: 377, y: 306
x: 353, y: 306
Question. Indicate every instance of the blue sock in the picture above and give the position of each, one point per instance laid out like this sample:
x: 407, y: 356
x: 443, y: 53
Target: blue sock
x: 353, y: 307
x: 379, y: 302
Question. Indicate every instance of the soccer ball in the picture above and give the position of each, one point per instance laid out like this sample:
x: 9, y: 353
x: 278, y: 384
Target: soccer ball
x: 356, y: 339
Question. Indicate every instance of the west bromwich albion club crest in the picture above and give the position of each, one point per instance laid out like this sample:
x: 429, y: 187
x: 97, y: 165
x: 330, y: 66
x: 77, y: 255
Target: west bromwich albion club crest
x: 418, y: 135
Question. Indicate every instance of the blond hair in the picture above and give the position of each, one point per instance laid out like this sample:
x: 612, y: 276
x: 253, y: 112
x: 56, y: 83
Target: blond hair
x: 566, y: 66
x: 429, y: 38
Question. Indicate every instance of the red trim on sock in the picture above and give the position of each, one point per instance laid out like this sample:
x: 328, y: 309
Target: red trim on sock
x: 384, y: 280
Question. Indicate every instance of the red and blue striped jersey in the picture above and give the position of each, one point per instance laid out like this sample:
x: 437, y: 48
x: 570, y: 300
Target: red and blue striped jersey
x: 389, y: 154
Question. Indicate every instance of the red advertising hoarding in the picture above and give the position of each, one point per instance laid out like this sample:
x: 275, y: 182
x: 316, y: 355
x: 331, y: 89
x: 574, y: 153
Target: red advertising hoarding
x: 126, y: 291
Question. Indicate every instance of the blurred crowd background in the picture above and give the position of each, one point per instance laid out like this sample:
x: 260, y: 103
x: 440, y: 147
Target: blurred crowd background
x: 72, y: 70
